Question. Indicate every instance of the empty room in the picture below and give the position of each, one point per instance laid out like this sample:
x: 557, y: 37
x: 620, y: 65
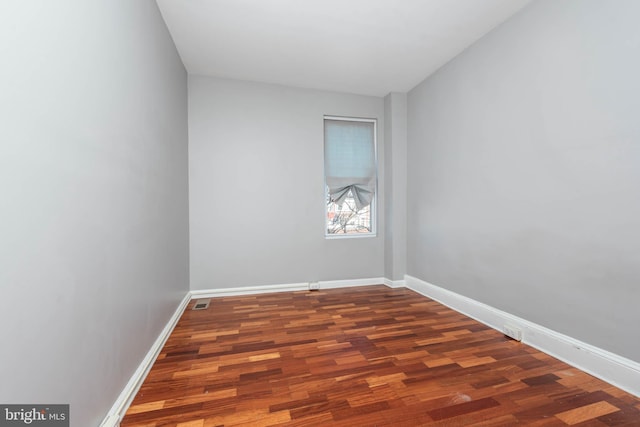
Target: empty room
x: 298, y: 213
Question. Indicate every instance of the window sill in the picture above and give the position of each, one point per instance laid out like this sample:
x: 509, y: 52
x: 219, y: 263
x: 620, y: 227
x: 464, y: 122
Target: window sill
x: 349, y: 236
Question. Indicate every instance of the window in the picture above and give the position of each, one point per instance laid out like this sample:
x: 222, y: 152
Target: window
x: 350, y: 176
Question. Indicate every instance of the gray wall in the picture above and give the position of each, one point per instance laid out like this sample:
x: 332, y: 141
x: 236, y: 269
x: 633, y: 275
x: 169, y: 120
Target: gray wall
x: 257, y: 188
x: 395, y: 245
x: 524, y: 171
x: 93, y: 206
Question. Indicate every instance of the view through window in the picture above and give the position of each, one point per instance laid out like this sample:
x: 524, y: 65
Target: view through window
x: 346, y: 218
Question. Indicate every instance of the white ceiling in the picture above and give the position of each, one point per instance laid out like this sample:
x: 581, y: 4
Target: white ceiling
x: 369, y: 47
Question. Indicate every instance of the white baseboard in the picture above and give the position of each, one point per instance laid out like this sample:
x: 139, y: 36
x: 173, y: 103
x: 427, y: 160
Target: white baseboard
x: 248, y: 290
x: 121, y: 404
x: 395, y: 283
x: 290, y: 287
x: 612, y: 368
x: 333, y: 284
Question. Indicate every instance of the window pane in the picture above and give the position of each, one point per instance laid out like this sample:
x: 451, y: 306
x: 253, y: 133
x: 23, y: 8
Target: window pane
x: 347, y: 219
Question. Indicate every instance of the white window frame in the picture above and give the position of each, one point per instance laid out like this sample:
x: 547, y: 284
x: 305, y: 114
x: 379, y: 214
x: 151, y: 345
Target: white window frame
x: 373, y: 211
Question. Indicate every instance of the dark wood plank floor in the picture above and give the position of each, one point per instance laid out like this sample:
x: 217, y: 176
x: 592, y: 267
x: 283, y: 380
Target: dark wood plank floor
x: 367, y: 356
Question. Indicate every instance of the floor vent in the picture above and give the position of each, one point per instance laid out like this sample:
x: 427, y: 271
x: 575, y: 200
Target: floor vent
x: 201, y: 304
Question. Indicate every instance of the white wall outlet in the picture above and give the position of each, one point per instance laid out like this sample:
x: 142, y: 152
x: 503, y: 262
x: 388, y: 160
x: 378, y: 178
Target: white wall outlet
x: 314, y: 286
x: 512, y: 332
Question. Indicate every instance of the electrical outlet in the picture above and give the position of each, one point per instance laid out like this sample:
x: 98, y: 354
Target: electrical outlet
x: 314, y: 286
x: 512, y: 332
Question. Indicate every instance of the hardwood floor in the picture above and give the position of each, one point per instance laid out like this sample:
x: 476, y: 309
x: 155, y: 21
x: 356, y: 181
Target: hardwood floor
x: 367, y: 356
